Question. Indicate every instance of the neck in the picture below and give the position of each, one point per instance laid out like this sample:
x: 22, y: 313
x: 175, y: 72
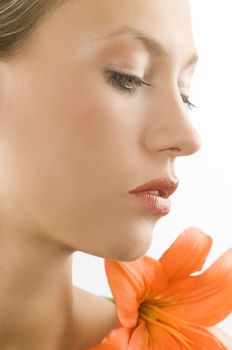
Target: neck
x: 36, y: 296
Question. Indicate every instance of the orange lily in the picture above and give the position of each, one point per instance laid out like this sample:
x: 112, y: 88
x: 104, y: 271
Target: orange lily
x: 161, y: 305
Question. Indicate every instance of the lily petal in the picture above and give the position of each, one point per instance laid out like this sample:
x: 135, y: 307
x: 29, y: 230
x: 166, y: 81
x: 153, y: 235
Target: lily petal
x: 204, y: 299
x: 200, y: 342
x: 118, y: 339
x: 162, y: 340
x: 137, y: 341
x: 187, y: 254
x: 222, y: 336
x: 131, y: 283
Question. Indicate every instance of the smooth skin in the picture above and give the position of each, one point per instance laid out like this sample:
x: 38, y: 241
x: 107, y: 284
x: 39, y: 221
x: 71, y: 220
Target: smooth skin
x: 72, y: 145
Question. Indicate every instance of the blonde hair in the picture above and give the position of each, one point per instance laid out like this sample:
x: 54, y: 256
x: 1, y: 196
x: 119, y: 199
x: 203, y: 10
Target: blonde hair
x: 18, y: 19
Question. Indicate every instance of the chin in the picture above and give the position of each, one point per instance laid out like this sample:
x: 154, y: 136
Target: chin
x: 131, y: 251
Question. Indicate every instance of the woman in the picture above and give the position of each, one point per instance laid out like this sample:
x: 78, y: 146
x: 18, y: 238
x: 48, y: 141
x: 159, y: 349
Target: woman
x: 94, y: 102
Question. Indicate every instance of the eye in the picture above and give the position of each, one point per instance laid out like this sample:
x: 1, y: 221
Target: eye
x: 188, y: 103
x: 125, y: 82
x: 130, y: 83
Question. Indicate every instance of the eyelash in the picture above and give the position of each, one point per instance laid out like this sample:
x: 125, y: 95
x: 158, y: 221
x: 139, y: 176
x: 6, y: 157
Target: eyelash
x: 118, y: 79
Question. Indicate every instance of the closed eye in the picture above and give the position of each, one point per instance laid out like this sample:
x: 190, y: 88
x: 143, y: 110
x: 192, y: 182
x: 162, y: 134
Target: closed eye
x: 188, y: 103
x: 130, y: 83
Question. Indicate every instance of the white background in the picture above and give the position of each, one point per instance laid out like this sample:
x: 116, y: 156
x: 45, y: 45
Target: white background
x: 204, y: 196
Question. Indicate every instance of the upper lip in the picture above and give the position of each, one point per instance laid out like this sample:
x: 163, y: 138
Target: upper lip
x: 165, y: 185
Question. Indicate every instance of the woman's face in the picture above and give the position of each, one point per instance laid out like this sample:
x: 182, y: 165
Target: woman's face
x: 73, y: 142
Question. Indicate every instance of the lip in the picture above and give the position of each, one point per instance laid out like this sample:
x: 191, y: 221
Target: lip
x: 165, y: 185
x: 158, y: 205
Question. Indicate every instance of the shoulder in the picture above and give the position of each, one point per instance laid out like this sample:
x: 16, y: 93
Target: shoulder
x: 94, y: 317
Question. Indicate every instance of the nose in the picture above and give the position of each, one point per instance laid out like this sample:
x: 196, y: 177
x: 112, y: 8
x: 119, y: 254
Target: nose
x: 171, y: 130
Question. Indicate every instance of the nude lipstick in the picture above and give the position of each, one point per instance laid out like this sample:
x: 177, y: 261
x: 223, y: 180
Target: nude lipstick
x: 154, y: 194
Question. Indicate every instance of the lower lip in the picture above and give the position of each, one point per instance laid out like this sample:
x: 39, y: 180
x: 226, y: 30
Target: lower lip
x: 157, y: 205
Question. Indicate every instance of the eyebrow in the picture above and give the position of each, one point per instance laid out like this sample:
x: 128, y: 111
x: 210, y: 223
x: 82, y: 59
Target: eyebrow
x: 151, y: 43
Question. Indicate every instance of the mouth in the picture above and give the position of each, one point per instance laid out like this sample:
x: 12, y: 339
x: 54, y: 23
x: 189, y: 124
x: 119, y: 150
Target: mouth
x: 154, y: 194
x: 162, y: 187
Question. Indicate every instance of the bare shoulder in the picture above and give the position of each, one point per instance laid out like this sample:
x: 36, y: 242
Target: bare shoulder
x: 94, y: 317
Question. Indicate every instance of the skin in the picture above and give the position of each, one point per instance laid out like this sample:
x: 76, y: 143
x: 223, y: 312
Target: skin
x: 72, y: 146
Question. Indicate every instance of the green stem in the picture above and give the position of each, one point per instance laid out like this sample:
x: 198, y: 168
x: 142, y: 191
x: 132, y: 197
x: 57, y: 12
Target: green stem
x: 110, y: 299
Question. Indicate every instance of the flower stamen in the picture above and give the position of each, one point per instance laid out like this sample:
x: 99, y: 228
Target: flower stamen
x: 173, y: 325
x: 170, y: 330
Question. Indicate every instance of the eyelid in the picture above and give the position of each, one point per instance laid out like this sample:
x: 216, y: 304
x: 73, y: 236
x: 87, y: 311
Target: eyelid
x: 141, y: 82
x: 126, y: 69
x: 129, y: 75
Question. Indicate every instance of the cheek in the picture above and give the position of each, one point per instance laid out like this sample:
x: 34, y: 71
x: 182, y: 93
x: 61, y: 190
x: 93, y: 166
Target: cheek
x: 89, y: 114
x: 80, y: 107
x: 69, y: 125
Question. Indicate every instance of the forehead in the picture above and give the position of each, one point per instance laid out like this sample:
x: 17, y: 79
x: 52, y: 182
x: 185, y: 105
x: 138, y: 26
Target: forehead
x: 168, y: 21
x: 86, y: 21
x: 152, y: 44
